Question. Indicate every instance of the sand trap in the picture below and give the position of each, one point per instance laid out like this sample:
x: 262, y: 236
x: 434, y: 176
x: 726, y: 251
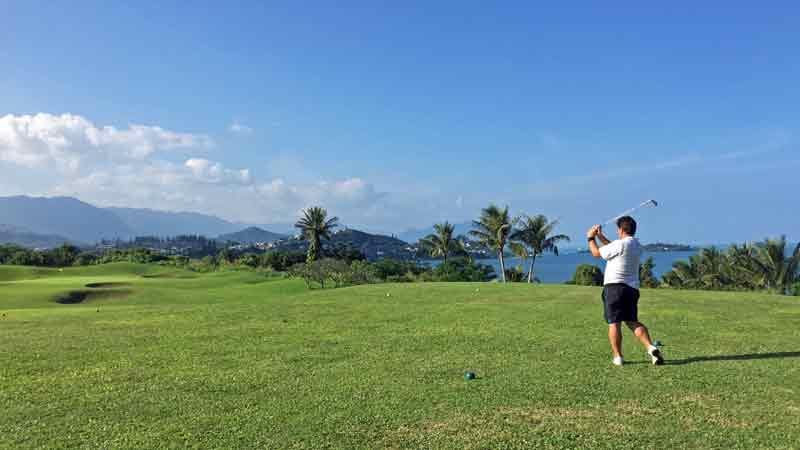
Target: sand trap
x: 83, y: 296
x: 107, y: 285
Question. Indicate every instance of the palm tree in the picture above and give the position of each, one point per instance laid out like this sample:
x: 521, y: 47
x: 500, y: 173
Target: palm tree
x: 492, y: 230
x: 534, y: 233
x: 743, y: 268
x: 713, y: 269
x: 778, y: 271
x: 315, y: 225
x: 519, y: 250
x: 684, y: 274
x: 708, y: 269
x: 442, y: 243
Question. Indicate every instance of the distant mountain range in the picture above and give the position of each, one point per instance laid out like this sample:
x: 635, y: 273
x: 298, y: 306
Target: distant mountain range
x: 70, y: 219
x: 163, y: 223
x: 64, y: 216
x: 251, y: 235
x: 15, y: 235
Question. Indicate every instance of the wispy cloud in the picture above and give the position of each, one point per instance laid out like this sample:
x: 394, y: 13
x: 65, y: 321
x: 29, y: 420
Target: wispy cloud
x: 774, y: 143
x: 238, y: 128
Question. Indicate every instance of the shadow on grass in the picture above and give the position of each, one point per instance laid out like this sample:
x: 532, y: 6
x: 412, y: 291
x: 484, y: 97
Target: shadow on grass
x: 745, y: 357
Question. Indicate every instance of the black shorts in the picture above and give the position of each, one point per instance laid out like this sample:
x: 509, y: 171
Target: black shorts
x: 620, y: 303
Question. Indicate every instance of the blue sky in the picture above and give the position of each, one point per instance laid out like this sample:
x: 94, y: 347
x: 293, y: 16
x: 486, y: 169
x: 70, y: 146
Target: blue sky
x: 396, y: 117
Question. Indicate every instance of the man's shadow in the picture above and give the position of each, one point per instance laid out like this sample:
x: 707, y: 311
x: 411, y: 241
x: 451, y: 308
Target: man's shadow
x: 745, y: 357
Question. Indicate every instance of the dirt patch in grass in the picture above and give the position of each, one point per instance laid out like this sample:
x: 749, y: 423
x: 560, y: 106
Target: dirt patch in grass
x: 107, y: 285
x: 87, y: 295
x: 503, y: 424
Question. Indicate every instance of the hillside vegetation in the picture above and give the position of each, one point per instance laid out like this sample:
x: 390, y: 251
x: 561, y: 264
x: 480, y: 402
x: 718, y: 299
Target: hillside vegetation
x: 237, y: 359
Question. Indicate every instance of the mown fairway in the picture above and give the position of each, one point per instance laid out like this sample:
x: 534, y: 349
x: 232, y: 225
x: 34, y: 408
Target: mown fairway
x: 164, y: 358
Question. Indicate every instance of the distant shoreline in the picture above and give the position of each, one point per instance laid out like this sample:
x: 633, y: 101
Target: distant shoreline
x: 660, y: 247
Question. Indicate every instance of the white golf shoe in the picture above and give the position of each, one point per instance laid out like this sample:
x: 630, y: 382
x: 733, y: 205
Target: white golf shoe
x: 618, y: 361
x: 656, y: 356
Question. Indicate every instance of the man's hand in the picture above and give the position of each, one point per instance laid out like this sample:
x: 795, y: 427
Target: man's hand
x: 603, y: 239
x: 592, y: 232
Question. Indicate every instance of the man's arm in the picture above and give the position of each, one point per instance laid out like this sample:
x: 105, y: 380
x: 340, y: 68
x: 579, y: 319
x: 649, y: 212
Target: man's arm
x: 590, y: 235
x: 602, y: 237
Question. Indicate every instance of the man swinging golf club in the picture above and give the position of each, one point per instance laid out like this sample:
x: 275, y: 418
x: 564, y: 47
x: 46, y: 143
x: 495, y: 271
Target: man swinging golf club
x: 621, y: 286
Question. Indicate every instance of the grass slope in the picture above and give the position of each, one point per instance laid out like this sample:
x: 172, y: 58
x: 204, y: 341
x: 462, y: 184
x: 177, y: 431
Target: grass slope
x: 239, y: 360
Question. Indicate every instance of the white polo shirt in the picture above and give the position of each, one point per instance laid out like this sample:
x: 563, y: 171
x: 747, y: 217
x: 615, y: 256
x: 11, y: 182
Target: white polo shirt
x: 622, y: 261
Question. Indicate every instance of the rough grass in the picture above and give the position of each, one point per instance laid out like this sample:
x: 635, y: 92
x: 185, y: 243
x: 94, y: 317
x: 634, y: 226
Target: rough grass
x: 237, y: 360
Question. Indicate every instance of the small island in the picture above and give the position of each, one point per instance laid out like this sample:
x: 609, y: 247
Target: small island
x: 662, y: 247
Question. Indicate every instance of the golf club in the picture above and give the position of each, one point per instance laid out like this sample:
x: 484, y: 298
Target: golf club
x: 646, y: 204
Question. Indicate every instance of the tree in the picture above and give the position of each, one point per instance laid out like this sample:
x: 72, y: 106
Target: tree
x: 315, y: 226
x: 534, y: 233
x: 777, y: 271
x: 588, y: 275
x: 710, y: 269
x: 646, y: 277
x: 520, y: 250
x: 248, y: 259
x: 492, y: 230
x: 442, y: 242
x: 65, y: 255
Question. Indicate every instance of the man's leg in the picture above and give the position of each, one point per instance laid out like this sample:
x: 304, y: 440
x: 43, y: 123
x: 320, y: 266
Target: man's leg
x: 615, y: 339
x: 643, y: 335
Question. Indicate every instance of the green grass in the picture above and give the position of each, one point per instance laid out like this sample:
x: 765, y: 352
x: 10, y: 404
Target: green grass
x: 236, y: 359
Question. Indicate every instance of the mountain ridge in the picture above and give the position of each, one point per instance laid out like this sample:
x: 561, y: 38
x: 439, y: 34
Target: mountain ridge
x: 79, y: 221
x: 251, y: 235
x: 10, y: 234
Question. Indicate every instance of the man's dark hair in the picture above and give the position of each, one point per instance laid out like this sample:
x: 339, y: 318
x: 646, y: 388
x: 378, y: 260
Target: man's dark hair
x: 627, y: 224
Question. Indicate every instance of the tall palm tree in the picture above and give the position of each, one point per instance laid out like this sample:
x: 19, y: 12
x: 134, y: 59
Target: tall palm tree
x: 442, y: 242
x: 534, y: 233
x: 315, y: 225
x: 492, y: 230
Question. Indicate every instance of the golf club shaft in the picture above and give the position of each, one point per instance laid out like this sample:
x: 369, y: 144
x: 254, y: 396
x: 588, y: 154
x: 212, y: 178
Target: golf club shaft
x: 627, y: 212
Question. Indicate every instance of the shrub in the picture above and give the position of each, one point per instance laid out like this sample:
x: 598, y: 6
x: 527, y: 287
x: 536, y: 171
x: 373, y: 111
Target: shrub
x: 335, y: 270
x: 588, y: 275
x: 281, y: 260
x: 396, y: 270
x: 363, y: 272
x: 300, y: 270
x: 461, y: 269
x: 516, y: 275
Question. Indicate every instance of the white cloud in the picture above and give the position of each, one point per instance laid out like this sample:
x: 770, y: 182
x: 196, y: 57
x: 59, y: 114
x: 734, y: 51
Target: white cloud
x: 238, y: 128
x: 192, y: 186
x: 211, y: 172
x: 68, y: 142
x: 137, y: 167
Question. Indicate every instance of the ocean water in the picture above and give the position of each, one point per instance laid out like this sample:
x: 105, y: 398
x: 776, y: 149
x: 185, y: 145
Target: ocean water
x: 558, y: 269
